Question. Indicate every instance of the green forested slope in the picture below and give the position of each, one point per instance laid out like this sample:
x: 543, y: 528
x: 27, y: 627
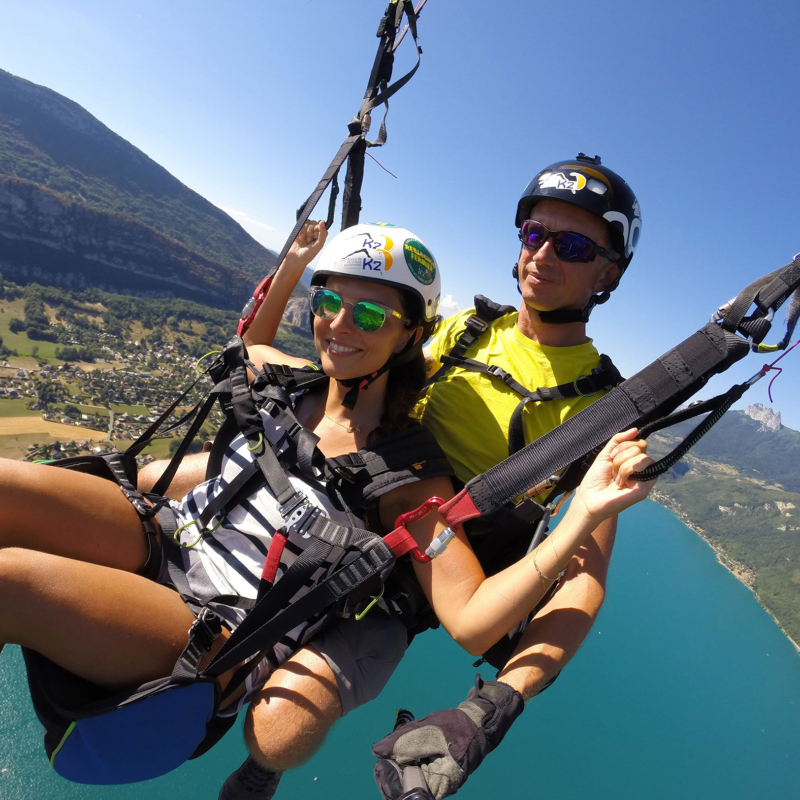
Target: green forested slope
x: 59, y: 161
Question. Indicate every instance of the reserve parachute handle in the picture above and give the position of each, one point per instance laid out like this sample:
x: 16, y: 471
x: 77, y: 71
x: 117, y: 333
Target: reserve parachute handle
x: 402, y: 542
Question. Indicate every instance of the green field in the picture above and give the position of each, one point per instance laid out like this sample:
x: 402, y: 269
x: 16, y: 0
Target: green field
x: 16, y: 445
x: 20, y: 341
x: 16, y: 408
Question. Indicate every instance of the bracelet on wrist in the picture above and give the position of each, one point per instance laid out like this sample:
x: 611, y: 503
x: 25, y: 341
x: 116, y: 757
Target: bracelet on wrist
x: 542, y: 575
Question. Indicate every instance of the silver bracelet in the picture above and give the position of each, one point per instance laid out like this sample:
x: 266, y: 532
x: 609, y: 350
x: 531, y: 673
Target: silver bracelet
x: 541, y: 574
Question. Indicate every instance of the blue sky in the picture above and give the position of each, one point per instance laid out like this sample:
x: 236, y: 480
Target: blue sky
x: 696, y: 104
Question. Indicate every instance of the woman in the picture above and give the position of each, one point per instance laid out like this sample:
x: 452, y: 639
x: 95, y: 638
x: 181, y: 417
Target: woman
x: 70, y: 539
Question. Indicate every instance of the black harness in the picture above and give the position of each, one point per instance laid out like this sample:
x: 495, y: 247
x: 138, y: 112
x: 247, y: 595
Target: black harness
x: 604, y: 377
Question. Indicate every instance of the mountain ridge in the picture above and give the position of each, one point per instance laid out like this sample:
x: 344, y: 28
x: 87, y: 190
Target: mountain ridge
x: 55, y: 156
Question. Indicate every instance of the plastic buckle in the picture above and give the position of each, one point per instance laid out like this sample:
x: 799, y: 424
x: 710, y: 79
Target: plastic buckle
x: 475, y: 327
x: 580, y: 393
x: 344, y: 473
x: 498, y: 372
x: 205, y: 628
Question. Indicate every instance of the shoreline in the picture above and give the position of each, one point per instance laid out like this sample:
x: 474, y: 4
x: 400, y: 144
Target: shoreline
x: 740, y: 571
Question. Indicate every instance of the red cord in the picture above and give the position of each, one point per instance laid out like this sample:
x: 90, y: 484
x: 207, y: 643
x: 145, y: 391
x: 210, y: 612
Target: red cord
x: 767, y: 367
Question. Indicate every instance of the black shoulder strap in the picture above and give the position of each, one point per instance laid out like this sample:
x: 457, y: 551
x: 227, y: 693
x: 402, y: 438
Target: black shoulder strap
x: 604, y: 377
x: 486, y: 312
x: 357, y: 480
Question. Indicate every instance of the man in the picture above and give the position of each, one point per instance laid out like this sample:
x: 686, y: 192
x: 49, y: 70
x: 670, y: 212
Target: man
x: 584, y: 227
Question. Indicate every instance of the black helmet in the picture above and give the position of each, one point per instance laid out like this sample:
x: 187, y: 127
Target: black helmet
x: 585, y: 182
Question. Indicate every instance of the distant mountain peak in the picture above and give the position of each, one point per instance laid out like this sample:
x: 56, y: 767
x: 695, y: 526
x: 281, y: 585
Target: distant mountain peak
x: 770, y: 420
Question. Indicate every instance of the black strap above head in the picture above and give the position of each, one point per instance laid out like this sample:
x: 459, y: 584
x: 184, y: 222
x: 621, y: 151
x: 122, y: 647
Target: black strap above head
x: 768, y: 292
x: 354, y: 146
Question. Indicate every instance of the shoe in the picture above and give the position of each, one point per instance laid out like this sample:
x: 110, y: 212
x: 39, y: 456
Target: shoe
x: 250, y: 782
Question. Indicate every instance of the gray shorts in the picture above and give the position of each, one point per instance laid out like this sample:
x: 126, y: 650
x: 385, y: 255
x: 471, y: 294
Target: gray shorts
x: 363, y: 655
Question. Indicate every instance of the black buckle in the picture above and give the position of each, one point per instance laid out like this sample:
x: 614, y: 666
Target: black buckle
x: 343, y: 473
x: 205, y: 629
x: 475, y: 328
x: 290, y: 507
x: 301, y: 519
x: 499, y: 372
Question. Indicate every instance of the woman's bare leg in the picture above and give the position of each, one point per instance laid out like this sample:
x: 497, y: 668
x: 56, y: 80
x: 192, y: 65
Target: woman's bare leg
x: 108, y: 626
x: 70, y: 514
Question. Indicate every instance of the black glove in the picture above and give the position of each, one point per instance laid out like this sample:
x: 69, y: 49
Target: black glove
x: 448, y: 745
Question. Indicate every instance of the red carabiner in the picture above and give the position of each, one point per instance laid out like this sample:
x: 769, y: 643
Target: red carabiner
x: 401, y: 541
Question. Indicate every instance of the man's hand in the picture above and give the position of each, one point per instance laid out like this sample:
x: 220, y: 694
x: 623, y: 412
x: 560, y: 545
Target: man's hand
x: 448, y: 745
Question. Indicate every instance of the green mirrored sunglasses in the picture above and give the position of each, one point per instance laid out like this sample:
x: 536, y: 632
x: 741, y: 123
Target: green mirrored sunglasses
x: 367, y: 316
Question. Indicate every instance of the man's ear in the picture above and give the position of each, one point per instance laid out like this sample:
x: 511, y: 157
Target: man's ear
x: 609, y: 275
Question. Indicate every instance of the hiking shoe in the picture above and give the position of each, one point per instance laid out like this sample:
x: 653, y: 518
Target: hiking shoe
x: 250, y: 782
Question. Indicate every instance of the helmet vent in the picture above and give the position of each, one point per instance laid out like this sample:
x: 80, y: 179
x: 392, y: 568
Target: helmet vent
x: 598, y: 187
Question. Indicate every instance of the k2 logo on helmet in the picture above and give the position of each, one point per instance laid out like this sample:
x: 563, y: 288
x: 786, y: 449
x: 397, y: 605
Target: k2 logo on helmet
x: 557, y: 180
x: 420, y: 261
x: 378, y: 248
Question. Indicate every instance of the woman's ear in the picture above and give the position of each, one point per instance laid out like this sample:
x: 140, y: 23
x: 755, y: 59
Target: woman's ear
x: 406, y: 338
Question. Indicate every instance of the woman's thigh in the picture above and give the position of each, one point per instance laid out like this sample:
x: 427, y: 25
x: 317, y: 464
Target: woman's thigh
x: 106, y: 625
x: 70, y: 514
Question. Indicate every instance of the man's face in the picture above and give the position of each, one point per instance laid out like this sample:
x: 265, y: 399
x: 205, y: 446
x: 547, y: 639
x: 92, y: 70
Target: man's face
x: 547, y: 282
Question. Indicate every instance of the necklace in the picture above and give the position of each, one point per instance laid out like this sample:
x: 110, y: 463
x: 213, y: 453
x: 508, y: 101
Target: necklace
x: 348, y: 428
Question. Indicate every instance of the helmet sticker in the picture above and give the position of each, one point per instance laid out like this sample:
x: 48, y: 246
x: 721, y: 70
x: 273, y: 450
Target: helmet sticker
x: 557, y: 180
x: 377, y: 253
x: 420, y: 261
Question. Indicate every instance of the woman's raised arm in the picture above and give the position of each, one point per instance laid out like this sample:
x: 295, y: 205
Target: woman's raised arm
x: 305, y: 248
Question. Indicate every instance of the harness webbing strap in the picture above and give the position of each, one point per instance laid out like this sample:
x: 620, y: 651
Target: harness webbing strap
x: 164, y: 480
x: 257, y: 633
x: 657, y: 389
x: 486, y: 311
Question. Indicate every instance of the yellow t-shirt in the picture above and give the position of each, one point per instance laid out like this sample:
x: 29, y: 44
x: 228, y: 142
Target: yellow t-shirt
x: 469, y: 412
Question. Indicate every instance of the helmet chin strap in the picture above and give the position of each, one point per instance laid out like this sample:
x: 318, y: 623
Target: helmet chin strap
x: 565, y: 316
x: 356, y: 385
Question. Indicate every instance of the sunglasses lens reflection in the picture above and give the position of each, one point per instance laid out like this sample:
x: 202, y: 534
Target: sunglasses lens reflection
x: 368, y: 317
x: 326, y: 304
x: 573, y: 247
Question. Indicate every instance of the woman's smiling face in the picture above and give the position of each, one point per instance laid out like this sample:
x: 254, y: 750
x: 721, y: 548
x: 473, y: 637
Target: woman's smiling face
x: 344, y: 350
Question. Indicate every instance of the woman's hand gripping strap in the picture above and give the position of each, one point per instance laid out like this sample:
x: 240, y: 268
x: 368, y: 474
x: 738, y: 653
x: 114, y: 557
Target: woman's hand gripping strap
x: 402, y: 542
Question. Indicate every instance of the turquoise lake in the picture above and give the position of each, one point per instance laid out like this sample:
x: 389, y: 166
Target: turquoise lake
x: 685, y: 688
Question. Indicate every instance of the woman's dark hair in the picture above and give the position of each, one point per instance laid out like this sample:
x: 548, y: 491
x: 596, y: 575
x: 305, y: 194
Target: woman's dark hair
x: 407, y: 380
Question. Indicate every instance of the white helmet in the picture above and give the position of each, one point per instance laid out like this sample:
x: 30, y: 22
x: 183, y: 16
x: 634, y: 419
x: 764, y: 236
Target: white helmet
x: 378, y: 251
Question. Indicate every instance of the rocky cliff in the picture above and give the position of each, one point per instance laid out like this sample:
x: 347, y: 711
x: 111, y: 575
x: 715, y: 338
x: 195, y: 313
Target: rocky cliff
x: 769, y: 419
